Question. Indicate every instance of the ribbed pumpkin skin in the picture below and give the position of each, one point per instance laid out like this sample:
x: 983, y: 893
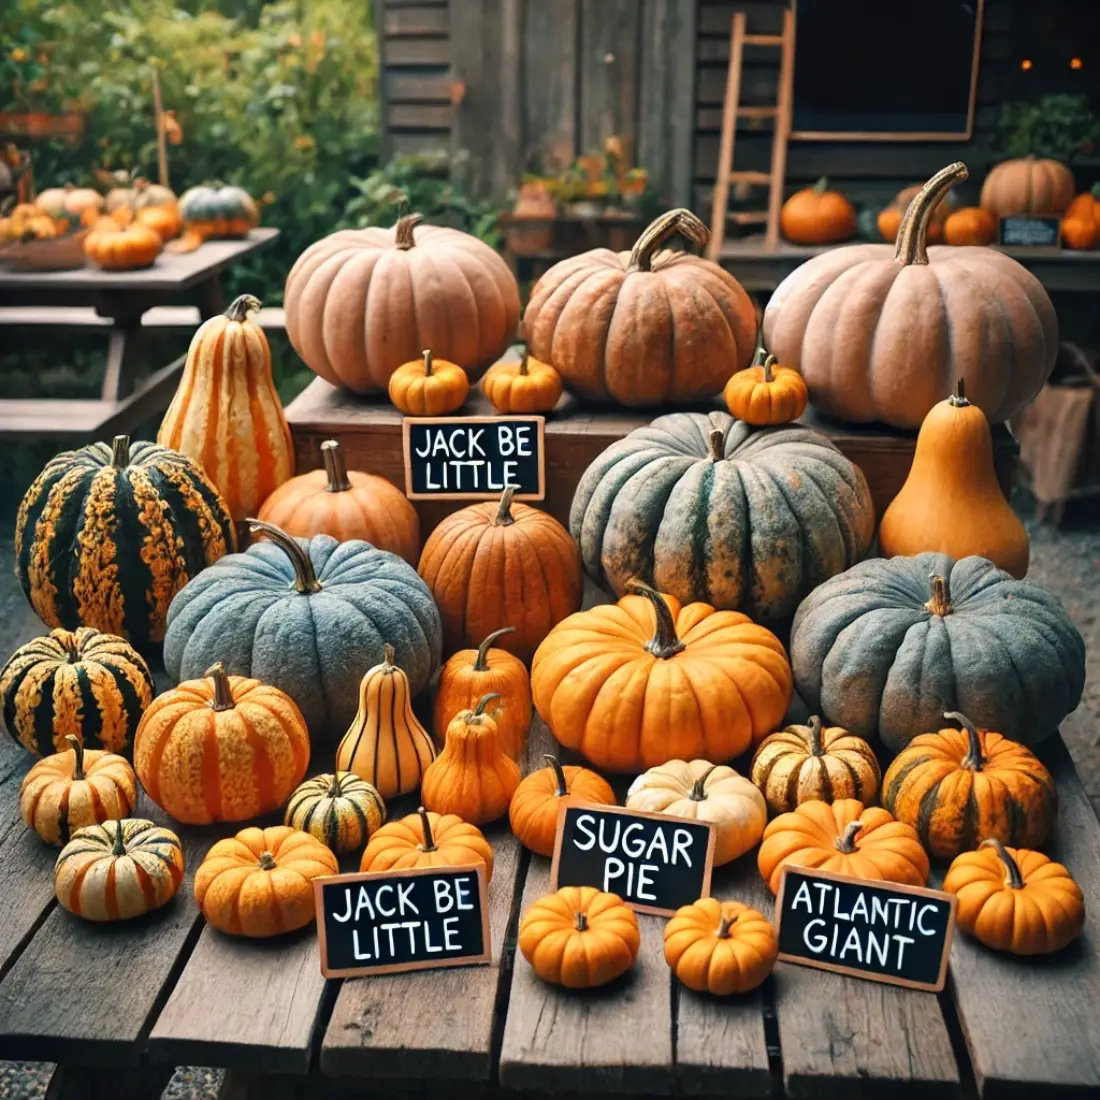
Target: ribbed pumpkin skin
x: 109, y: 546
x: 226, y: 413
x: 340, y: 810
x: 720, y: 947
x: 755, y: 530
x: 869, y: 653
x: 247, y: 614
x: 1026, y: 185
x: 203, y: 764
x: 361, y: 302
x: 533, y: 811
x: 94, y: 686
x: 404, y: 843
x: 216, y: 210
x: 118, y: 870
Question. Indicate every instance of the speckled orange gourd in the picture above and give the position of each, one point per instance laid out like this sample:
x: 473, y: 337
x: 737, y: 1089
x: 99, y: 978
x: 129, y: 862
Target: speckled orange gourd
x: 224, y: 748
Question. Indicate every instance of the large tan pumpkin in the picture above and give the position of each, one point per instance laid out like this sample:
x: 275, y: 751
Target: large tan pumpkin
x: 1041, y: 188
x: 882, y: 333
x: 361, y: 302
x: 643, y: 327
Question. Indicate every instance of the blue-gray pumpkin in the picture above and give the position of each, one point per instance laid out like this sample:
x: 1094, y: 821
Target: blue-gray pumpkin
x: 887, y: 647
x: 309, y: 616
x: 705, y: 507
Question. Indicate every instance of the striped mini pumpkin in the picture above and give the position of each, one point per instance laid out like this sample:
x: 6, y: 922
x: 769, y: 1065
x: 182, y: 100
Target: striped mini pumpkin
x: 118, y: 870
x: 80, y: 683
x: 108, y: 534
x: 226, y: 414
x: 340, y: 810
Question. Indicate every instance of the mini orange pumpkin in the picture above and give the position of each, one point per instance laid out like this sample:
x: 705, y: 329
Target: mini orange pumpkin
x: 1080, y: 231
x: 118, y: 248
x: 425, y: 839
x: 766, y: 393
x: 970, y: 225
x: 816, y: 215
x: 528, y: 386
x: 720, y: 947
x: 428, y: 387
x: 165, y: 219
x: 533, y: 813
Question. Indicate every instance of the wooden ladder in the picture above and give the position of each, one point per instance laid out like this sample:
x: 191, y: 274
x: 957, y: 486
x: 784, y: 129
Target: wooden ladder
x: 731, y: 112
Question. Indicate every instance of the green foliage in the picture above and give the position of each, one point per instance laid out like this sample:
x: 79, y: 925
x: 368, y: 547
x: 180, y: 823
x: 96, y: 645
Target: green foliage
x: 1056, y: 126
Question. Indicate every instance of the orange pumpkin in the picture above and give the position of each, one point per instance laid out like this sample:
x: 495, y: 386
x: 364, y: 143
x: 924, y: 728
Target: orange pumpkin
x: 720, y: 947
x: 533, y: 812
x: 425, y: 839
x: 1086, y: 206
x: 766, y: 393
x: 970, y: 226
x: 117, y: 248
x: 816, y: 215
x: 165, y: 219
x: 428, y: 386
x: 889, y: 219
x: 1027, y: 185
x: 526, y: 386
x: 1080, y: 231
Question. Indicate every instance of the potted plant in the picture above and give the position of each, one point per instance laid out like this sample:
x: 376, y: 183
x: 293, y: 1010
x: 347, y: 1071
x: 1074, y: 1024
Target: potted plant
x: 534, y: 201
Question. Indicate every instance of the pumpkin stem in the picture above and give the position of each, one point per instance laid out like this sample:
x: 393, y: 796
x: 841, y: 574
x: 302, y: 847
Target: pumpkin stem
x: 698, y: 788
x: 120, y: 452
x: 523, y: 364
x: 481, y: 663
x: 305, y: 578
x: 267, y: 861
x: 665, y: 643
x: 482, y: 703
x: 973, y: 760
x: 580, y: 922
x: 1013, y: 877
x: 335, y: 467
x: 334, y: 790
x: 388, y: 654
x: 403, y: 231
x: 912, y: 246
x: 241, y: 307
x: 958, y: 398
x: 724, y: 927
x: 426, y: 829
x: 846, y: 842
x: 816, y: 748
x: 768, y: 363
x: 504, y: 517
x: 119, y: 846
x: 554, y: 764
x: 427, y: 353
x: 78, y: 751
x: 223, y: 693
x: 658, y: 232
x: 717, y: 441
x: 821, y: 186
x: 940, y: 603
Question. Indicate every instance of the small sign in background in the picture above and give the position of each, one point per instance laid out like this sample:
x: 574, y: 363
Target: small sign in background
x: 1026, y: 232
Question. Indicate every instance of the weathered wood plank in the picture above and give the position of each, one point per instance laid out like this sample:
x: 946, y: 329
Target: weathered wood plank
x: 759, y: 84
x: 608, y: 62
x: 421, y: 20
x: 420, y: 143
x: 422, y: 52
x: 421, y: 116
x: 418, y: 86
x: 761, y: 16
x: 550, y: 36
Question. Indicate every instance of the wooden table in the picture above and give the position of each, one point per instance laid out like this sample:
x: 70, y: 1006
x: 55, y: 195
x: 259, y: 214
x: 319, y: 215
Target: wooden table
x: 122, y: 297
x: 118, y: 1006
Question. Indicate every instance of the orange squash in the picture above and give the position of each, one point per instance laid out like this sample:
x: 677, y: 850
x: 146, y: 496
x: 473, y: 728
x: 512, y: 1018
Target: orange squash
x: 425, y: 839
x: 428, y: 386
x: 766, y: 393
x: 115, y: 248
x: 533, y: 811
x: 1080, y: 231
x: 526, y: 386
x: 816, y: 215
x: 1027, y: 185
x: 970, y: 225
x: 164, y: 219
x: 720, y: 947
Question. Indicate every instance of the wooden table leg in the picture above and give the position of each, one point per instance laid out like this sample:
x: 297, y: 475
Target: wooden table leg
x: 122, y: 354
x: 211, y: 297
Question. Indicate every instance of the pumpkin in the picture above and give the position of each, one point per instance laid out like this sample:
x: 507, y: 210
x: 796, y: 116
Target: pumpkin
x: 1015, y: 900
x: 644, y: 327
x: 470, y: 674
x: 385, y: 744
x: 473, y: 777
x: 951, y: 501
x: 647, y: 680
x: 217, y: 210
x: 882, y: 334
x: 766, y: 393
x: 27, y: 223
x: 69, y: 790
x: 801, y: 763
x: 816, y: 215
x: 122, y: 248
x: 259, y: 883
x: 424, y: 839
x: 488, y: 564
x: 428, y: 386
x: 346, y: 504
x: 74, y: 683
x: 226, y: 412
x: 533, y: 811
x: 71, y: 201
x: 1026, y: 185
x: 720, y: 947
x: 707, y: 508
x: 526, y: 386
x: 306, y: 617
x: 971, y: 225
x: 579, y: 937
x: 958, y: 787
x: 889, y: 646
x: 164, y: 220
x: 710, y: 793
x: 844, y: 837
x: 1086, y: 207
x: 223, y: 748
x: 108, y: 534
x: 361, y: 302
x: 146, y: 194
x: 1080, y: 231
x: 340, y: 810
x: 118, y: 870
x: 51, y: 202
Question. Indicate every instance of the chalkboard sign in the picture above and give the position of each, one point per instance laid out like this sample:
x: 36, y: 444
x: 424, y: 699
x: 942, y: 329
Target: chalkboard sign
x: 474, y: 457
x: 1030, y: 232
x: 878, y: 930
x: 383, y: 922
x: 654, y: 862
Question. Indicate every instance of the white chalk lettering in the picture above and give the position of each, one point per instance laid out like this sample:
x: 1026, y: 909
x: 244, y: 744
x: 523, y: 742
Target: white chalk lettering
x: 817, y: 944
x: 802, y: 897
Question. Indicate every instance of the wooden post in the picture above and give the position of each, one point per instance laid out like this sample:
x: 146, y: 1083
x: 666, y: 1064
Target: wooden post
x: 782, y: 133
x: 162, y: 142
x: 720, y: 200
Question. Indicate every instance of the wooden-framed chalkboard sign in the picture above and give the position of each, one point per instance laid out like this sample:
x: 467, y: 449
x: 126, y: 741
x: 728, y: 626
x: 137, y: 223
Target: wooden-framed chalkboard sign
x: 654, y: 862
x: 389, y: 921
x: 1027, y: 232
x: 882, y: 931
x: 474, y: 457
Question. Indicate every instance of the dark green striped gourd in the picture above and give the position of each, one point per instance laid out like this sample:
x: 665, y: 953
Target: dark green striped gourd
x: 340, y: 810
x: 109, y: 533
x: 705, y: 507
x: 83, y: 683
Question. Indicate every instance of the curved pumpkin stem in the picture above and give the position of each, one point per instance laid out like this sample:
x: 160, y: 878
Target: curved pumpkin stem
x: 78, y: 749
x: 305, y: 577
x: 580, y: 922
x: 426, y: 829
x: 1013, y: 878
x: 973, y: 760
x: 958, y: 398
x: 427, y: 353
x: 768, y: 363
x: 403, y: 231
x: 660, y: 230
x: 479, y: 710
x: 120, y: 452
x: 940, y: 603
x: 724, y: 927
x: 554, y: 764
x: 698, y: 788
x: 846, y: 842
x: 481, y: 662
x: 388, y: 654
x: 119, y: 846
x: 716, y: 440
x: 241, y: 307
x: 665, y: 642
x: 336, y: 469
x: 223, y: 692
x: 504, y: 516
x: 267, y: 861
x: 816, y: 748
x: 912, y: 245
